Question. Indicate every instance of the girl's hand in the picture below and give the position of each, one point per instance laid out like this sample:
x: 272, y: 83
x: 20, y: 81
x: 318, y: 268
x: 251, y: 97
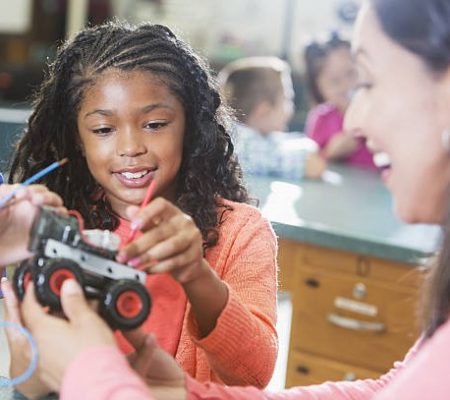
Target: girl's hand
x: 20, y: 348
x: 341, y: 145
x: 171, y: 242
x: 17, y: 217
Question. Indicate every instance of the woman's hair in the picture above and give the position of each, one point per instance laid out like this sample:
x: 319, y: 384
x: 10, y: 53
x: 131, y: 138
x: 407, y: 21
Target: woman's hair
x: 249, y: 81
x: 423, y: 28
x: 315, y: 56
x: 208, y: 169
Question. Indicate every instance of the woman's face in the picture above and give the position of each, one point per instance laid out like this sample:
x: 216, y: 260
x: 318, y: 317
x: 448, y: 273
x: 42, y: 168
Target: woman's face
x: 337, y: 77
x: 402, y: 108
x: 131, y: 130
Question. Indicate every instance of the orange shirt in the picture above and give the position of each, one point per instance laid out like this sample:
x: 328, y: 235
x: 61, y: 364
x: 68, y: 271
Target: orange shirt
x: 242, y: 348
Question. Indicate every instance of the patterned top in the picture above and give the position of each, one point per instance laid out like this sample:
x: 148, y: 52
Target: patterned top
x: 279, y: 154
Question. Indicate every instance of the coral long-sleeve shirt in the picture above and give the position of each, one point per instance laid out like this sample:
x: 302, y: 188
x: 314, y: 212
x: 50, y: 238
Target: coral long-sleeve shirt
x: 242, y: 348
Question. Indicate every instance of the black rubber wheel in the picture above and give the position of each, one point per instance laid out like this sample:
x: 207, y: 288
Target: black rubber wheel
x: 50, y: 278
x: 22, y: 276
x: 125, y: 304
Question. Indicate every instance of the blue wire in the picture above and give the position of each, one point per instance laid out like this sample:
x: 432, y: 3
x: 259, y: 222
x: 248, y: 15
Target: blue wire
x: 29, y: 181
x: 41, y: 173
x: 34, y: 355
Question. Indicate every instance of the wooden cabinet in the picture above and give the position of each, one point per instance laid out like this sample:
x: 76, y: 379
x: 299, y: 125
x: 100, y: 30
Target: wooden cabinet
x: 309, y: 369
x: 352, y: 315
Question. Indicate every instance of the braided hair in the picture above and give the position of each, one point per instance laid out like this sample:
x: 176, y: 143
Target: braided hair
x: 208, y: 170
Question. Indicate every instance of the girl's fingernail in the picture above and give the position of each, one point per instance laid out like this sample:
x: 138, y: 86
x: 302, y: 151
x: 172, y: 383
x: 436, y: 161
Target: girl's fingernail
x: 121, y: 258
x: 134, y: 262
x: 135, y: 225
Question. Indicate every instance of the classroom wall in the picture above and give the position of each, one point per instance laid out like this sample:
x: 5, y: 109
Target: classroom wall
x: 224, y: 30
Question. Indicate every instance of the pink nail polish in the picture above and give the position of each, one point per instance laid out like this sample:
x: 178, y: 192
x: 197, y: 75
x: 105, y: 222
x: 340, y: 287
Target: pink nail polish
x: 135, y: 225
x: 134, y: 262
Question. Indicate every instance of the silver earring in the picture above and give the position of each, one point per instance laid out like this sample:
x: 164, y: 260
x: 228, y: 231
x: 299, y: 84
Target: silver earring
x: 445, y: 138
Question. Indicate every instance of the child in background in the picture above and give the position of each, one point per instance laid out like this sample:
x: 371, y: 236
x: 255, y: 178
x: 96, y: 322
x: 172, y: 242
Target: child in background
x: 331, y: 78
x: 129, y: 104
x: 260, y: 91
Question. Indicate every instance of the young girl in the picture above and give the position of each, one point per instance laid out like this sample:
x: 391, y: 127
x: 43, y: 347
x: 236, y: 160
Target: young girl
x: 331, y: 78
x: 131, y: 104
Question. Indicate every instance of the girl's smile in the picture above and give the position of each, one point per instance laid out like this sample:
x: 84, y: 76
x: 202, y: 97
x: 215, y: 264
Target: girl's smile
x: 131, y: 130
x: 135, y: 177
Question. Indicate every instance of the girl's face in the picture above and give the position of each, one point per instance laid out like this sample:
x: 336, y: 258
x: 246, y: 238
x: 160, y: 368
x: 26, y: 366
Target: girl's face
x: 402, y: 109
x: 337, y: 78
x: 131, y: 131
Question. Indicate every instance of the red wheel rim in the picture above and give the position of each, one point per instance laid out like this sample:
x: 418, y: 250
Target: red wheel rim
x: 129, y: 304
x: 26, y: 279
x: 57, y: 279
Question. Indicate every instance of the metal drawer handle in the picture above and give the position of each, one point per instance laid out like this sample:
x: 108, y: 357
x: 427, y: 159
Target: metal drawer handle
x: 354, y: 324
x: 301, y: 369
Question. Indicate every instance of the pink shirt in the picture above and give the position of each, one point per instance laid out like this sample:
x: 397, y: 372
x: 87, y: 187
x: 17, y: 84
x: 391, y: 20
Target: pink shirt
x: 324, y: 122
x: 102, y: 373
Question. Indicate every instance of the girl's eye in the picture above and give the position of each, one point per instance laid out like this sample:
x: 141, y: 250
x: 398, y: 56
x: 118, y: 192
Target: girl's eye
x: 103, y: 131
x: 155, y: 125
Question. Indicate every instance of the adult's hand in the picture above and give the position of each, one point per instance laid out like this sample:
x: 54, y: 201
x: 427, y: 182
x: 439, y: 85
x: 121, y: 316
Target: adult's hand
x: 20, y: 349
x: 17, y: 217
x: 60, y: 341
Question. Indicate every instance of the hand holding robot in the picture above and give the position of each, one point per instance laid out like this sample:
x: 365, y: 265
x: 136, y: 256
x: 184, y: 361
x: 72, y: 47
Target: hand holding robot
x: 62, y: 251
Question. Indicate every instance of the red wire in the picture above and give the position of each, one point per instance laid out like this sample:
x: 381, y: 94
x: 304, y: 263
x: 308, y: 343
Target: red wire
x: 79, y: 218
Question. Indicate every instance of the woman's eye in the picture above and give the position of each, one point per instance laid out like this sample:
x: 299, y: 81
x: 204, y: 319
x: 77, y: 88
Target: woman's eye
x: 156, y: 125
x: 102, y: 131
x: 362, y: 85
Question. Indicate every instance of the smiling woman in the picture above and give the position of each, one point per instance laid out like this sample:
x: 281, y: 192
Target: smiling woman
x: 385, y: 103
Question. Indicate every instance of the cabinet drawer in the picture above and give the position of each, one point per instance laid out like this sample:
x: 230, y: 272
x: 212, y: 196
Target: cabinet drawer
x: 352, y: 319
x: 343, y: 262
x: 287, y: 254
x: 306, y: 369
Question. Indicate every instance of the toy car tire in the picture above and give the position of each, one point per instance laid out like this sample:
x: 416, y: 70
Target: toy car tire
x: 22, y: 277
x: 125, y: 305
x: 50, y: 278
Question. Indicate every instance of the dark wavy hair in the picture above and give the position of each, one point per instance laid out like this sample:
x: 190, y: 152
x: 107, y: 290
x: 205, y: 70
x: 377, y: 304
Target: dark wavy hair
x: 315, y: 55
x: 423, y: 28
x: 209, y: 170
